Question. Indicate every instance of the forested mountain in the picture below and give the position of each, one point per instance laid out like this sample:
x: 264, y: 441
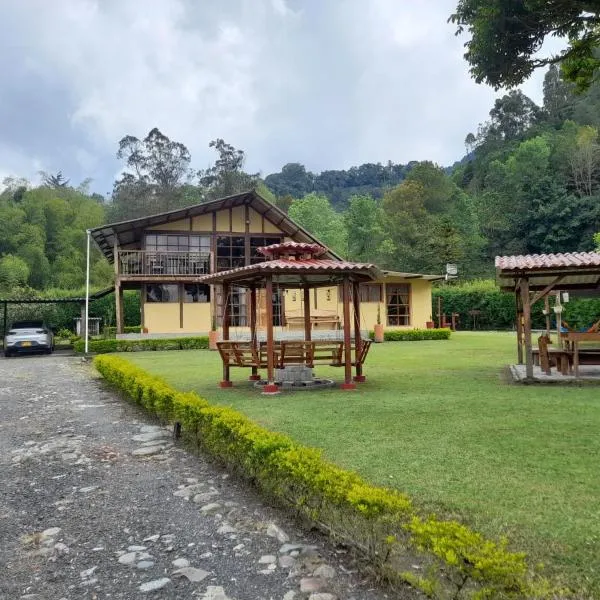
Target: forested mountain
x: 529, y: 182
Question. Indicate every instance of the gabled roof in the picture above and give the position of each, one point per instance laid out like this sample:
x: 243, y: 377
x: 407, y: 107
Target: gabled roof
x: 129, y: 232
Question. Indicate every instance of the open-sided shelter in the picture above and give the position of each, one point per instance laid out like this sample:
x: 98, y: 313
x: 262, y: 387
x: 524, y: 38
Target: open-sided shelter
x: 533, y: 277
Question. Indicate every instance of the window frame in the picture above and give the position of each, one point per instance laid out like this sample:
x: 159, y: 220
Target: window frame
x: 403, y: 320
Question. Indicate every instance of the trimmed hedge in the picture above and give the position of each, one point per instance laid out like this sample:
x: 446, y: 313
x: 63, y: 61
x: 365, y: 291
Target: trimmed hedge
x: 110, y: 345
x: 414, y: 335
x: 454, y: 560
x: 112, y: 331
x: 497, y: 309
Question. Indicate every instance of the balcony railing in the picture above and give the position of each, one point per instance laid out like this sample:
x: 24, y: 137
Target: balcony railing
x: 144, y: 263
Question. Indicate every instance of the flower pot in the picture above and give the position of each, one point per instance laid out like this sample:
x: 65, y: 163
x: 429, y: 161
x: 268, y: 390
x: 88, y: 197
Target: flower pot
x: 378, y: 333
x: 213, y: 338
x: 430, y: 324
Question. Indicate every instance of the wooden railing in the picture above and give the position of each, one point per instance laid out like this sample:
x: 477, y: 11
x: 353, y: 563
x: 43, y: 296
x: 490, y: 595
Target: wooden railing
x: 145, y: 262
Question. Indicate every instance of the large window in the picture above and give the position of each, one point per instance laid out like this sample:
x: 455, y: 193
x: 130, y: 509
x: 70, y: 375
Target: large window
x: 237, y: 307
x: 162, y: 242
x: 196, y: 292
x: 398, y: 304
x: 230, y: 252
x: 369, y: 292
x: 162, y: 293
x: 259, y: 242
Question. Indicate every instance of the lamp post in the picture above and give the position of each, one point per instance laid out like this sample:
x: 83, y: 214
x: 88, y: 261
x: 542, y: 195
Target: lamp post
x: 87, y: 291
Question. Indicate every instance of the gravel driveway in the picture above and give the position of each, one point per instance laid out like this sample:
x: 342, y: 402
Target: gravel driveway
x: 97, y: 502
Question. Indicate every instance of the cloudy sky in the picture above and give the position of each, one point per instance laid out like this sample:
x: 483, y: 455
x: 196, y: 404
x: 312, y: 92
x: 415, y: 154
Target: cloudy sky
x: 329, y: 83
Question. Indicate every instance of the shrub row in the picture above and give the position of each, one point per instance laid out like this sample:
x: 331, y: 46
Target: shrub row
x: 497, y: 310
x: 454, y: 560
x: 414, y: 335
x: 105, y: 346
x: 112, y: 331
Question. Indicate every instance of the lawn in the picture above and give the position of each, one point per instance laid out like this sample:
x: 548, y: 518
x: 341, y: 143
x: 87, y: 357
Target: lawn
x: 438, y: 420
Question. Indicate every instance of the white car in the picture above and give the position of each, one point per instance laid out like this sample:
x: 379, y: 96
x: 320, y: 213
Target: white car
x: 28, y: 336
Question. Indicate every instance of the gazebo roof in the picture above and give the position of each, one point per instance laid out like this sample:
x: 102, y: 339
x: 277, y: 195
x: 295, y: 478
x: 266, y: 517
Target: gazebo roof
x: 568, y: 271
x: 295, y: 265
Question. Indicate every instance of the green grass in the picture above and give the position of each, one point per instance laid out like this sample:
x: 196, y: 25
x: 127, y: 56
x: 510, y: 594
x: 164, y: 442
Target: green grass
x: 438, y: 420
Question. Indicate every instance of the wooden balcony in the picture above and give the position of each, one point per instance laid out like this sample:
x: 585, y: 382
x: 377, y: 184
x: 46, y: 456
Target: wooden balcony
x: 134, y: 264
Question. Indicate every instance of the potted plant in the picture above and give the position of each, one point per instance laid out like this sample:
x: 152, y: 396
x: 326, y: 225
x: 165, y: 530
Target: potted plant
x: 430, y: 324
x: 213, y: 334
x: 378, y: 329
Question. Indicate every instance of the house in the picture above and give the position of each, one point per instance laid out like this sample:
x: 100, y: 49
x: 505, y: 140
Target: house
x: 165, y: 256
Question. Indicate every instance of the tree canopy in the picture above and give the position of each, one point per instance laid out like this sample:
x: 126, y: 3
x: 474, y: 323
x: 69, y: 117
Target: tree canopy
x: 505, y: 36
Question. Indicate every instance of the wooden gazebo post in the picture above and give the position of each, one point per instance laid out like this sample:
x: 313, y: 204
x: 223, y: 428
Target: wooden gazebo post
x: 359, y: 377
x: 307, y: 327
x: 526, y: 303
x: 253, y: 339
x: 226, y: 383
x: 348, y: 384
x: 270, y: 387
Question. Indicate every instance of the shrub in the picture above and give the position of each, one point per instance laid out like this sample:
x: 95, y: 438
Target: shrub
x: 457, y: 561
x: 113, y: 345
x: 111, y: 332
x: 414, y: 335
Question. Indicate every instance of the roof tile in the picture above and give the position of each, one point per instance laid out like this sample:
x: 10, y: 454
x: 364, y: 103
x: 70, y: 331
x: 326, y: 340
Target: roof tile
x: 529, y: 262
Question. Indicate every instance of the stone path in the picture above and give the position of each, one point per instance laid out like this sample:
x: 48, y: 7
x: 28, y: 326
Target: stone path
x: 97, y: 502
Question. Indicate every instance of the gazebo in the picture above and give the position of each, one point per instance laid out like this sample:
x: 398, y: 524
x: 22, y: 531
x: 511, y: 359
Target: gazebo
x: 533, y: 277
x: 292, y: 265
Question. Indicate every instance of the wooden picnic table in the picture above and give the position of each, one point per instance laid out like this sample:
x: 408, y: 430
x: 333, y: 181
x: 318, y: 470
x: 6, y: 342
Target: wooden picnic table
x: 572, y: 340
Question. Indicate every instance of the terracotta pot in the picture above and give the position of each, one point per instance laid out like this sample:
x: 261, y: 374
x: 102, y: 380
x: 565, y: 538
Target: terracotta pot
x: 213, y: 338
x: 430, y: 325
x: 378, y: 331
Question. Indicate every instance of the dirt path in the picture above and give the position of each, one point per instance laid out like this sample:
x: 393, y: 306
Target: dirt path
x: 97, y: 502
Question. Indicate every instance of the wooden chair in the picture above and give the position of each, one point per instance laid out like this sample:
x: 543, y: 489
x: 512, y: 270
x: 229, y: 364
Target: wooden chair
x: 549, y: 357
x: 240, y: 354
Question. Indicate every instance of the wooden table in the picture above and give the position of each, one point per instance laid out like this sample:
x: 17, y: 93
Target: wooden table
x: 572, y: 339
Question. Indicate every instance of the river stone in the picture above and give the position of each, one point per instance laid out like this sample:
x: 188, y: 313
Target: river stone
x: 312, y: 584
x: 145, y: 564
x: 128, y: 558
x: 136, y: 548
x: 192, y: 573
x: 147, y: 451
x: 51, y: 532
x: 267, y: 559
x: 286, y: 561
x: 150, y: 436
x: 181, y: 562
x: 156, y: 584
x: 322, y: 596
x: 210, y: 508
x: 276, y: 532
x: 324, y: 571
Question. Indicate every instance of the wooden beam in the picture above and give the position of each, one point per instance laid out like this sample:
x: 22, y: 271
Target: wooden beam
x: 527, y: 328
x: 307, y: 324
x: 270, y: 387
x: 359, y: 377
x: 226, y: 382
x: 348, y: 384
x: 539, y: 295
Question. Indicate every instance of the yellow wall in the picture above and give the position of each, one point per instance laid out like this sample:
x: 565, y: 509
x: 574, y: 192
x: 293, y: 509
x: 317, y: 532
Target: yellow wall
x: 202, y: 222
x: 165, y: 318
x: 238, y: 219
x: 255, y: 221
x: 420, y: 303
x: 223, y: 220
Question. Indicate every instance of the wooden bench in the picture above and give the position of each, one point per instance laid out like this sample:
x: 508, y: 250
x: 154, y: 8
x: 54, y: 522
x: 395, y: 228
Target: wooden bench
x: 319, y: 319
x: 240, y: 354
x: 553, y: 357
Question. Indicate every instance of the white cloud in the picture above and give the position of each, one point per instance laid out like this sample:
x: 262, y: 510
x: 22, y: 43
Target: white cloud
x: 329, y: 84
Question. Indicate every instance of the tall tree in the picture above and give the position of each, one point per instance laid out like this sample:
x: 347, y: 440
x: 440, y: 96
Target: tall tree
x: 157, y: 169
x: 226, y: 177
x: 364, y: 224
x: 505, y: 36
x: 54, y: 181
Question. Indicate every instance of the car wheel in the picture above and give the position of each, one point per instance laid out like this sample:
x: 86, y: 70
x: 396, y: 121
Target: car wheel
x: 7, y: 354
x: 49, y: 350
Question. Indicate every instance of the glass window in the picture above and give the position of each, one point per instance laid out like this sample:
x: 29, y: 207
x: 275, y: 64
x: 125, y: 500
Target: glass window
x: 237, y: 308
x: 370, y: 293
x: 398, y: 304
x: 230, y: 252
x: 196, y: 292
x: 178, y: 243
x: 162, y: 293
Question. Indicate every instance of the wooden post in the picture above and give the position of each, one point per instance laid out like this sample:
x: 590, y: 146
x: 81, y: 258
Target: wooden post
x: 547, y: 311
x: 253, y: 340
x: 271, y: 387
x: 527, y: 327
x: 348, y: 384
x: 307, y: 327
x: 359, y: 377
x: 519, y: 323
x: 118, y: 307
x: 226, y: 383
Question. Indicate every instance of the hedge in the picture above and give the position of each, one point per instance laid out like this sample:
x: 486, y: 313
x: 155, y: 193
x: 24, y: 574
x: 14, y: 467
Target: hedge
x: 414, y: 335
x: 110, y: 345
x: 497, y: 309
x: 111, y: 331
x: 451, y: 560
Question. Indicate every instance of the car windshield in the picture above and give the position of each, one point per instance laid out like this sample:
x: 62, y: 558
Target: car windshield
x: 28, y: 325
